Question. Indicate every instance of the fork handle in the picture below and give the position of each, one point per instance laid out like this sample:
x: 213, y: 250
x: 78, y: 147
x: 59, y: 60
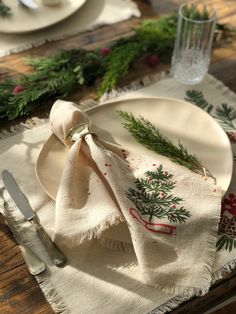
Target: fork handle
x: 32, y: 261
x: 57, y: 257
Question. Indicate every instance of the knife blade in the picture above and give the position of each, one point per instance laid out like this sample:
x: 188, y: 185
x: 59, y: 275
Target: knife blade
x: 33, y: 262
x: 23, y: 205
x: 31, y: 4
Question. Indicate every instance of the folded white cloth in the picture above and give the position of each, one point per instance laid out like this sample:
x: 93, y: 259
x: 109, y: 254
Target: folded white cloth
x: 166, y: 213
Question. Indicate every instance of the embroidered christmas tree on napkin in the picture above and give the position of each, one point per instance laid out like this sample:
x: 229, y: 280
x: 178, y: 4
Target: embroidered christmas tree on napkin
x: 167, y: 214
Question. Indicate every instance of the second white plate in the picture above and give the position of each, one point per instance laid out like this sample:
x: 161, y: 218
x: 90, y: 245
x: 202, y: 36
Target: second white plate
x: 24, y: 20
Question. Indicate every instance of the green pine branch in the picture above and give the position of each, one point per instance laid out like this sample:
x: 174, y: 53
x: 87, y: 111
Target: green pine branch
x: 149, y: 136
x: 119, y: 62
x: 54, y: 77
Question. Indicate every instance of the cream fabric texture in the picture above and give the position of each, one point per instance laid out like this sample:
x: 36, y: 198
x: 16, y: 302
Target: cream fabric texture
x: 92, y: 197
x: 90, y: 16
x: 102, y: 280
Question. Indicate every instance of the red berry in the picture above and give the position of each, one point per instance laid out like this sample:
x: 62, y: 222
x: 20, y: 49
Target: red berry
x: 153, y: 60
x: 105, y: 51
x: 18, y: 89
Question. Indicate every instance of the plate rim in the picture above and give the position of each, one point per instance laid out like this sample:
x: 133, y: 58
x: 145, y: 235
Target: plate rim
x: 19, y: 32
x: 133, y: 98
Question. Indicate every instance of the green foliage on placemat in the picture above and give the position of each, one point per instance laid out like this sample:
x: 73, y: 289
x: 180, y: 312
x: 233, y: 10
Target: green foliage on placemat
x: 224, y: 113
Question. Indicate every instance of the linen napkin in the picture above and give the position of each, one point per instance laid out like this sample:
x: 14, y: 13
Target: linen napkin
x: 166, y: 213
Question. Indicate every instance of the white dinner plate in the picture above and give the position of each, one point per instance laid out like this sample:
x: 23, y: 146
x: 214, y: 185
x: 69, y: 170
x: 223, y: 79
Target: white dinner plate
x: 23, y: 20
x: 176, y: 119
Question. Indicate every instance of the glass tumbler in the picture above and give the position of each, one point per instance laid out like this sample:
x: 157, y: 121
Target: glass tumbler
x: 192, y: 51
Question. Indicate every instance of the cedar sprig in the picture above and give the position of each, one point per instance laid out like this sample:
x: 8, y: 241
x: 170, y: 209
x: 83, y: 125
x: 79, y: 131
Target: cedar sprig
x: 148, y: 135
x: 5, y: 10
x: 54, y: 77
x: 152, y: 36
x: 119, y: 62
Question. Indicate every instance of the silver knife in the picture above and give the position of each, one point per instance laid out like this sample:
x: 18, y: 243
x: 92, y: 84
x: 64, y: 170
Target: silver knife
x: 31, y: 4
x: 23, y: 205
x: 33, y: 262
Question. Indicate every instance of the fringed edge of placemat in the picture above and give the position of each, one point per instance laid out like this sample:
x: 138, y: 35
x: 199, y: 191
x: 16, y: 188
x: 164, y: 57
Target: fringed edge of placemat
x: 180, y: 299
x: 135, y: 85
x: 51, y: 295
x: 224, y: 270
x: 21, y: 127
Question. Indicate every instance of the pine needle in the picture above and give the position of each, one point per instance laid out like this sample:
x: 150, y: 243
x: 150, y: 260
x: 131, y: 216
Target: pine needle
x: 148, y: 135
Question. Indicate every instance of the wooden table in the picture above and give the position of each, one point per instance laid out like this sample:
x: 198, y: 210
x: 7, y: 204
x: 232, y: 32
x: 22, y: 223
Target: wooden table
x: 19, y: 291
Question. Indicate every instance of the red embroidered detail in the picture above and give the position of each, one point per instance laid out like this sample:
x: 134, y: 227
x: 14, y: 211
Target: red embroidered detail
x: 154, y: 165
x: 229, y: 204
x: 232, y: 136
x: 153, y: 227
x: 104, y: 173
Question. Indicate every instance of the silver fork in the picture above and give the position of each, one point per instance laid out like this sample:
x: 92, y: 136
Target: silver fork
x: 33, y: 262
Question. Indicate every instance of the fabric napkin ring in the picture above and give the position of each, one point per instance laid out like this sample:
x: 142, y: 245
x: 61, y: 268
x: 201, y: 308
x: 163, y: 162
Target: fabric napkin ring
x: 77, y: 132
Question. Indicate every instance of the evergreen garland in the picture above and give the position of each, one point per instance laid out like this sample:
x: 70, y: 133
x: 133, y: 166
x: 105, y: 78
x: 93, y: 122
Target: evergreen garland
x: 54, y: 77
x: 149, y: 136
x: 5, y: 11
x: 62, y: 74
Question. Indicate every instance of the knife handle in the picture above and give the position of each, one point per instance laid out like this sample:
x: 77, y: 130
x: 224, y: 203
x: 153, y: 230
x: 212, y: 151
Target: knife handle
x: 55, y: 254
x: 32, y: 261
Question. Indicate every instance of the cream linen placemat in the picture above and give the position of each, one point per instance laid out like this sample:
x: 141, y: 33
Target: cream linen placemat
x: 96, y: 279
x: 93, y: 13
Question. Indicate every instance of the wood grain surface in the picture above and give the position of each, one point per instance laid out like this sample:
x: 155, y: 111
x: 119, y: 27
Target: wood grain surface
x: 19, y: 291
